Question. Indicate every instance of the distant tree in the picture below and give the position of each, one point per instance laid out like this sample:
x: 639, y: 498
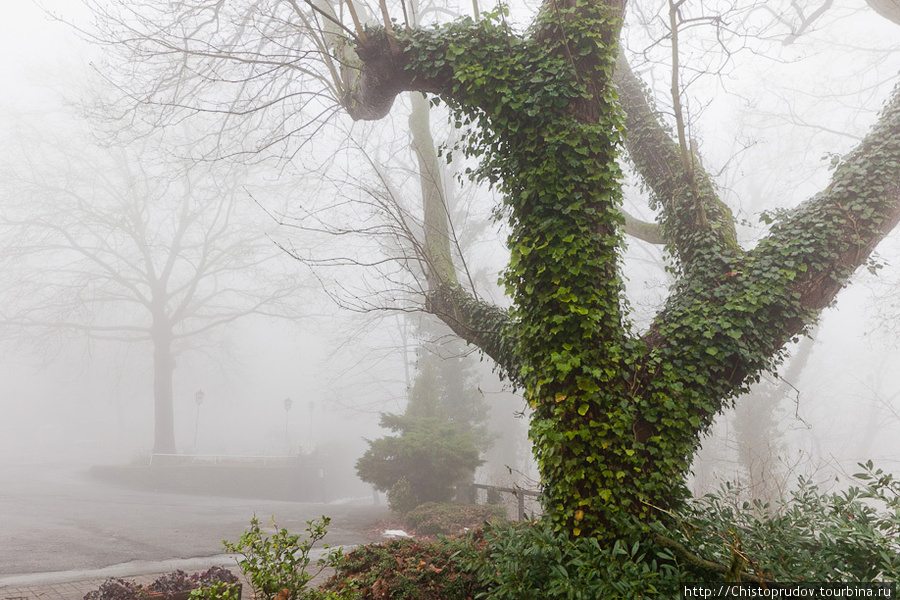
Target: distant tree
x: 760, y: 437
x: 118, y: 244
x: 446, y: 387
x: 431, y: 455
x: 441, y: 434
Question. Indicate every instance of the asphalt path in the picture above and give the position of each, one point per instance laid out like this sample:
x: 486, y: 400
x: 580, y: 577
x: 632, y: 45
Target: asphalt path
x: 57, y: 519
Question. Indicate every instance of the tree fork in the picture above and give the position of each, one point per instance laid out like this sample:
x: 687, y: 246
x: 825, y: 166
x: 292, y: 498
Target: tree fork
x: 617, y: 419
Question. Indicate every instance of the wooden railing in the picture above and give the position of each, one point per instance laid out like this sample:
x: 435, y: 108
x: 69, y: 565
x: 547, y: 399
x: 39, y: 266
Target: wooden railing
x: 519, y: 493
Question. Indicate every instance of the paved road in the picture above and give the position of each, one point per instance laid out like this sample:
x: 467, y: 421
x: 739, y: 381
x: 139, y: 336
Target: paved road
x: 58, y: 519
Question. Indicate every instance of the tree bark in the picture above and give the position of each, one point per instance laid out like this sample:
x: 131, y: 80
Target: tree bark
x: 163, y: 396
x: 438, y: 256
x: 889, y: 9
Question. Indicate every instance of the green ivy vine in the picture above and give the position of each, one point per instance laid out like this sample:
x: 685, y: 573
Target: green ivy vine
x: 561, y: 185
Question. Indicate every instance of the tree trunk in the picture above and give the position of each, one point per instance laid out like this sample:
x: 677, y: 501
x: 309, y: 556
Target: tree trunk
x: 436, y: 221
x: 163, y: 366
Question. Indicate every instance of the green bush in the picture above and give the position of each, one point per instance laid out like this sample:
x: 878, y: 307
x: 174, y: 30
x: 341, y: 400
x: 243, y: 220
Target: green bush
x: 431, y: 454
x: 813, y: 536
x: 401, y: 498
x: 217, y: 591
x: 280, y: 562
x: 853, y: 535
x: 434, y: 518
x: 531, y: 561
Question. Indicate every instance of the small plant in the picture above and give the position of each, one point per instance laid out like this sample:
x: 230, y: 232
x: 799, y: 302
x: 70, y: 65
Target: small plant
x: 217, y: 583
x: 170, y: 584
x: 176, y: 581
x: 276, y: 566
x: 218, y: 590
x: 115, y: 589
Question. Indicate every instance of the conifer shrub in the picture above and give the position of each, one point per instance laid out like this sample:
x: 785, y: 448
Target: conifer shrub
x: 430, y: 454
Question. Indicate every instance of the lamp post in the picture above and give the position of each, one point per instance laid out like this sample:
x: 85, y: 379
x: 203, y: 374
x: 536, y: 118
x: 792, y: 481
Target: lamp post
x: 287, y: 407
x: 198, y: 397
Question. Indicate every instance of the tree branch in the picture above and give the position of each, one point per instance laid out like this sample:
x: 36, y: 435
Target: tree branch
x: 651, y: 233
x: 480, y: 323
x: 695, y: 221
x: 889, y: 9
x: 703, y: 564
x: 778, y: 288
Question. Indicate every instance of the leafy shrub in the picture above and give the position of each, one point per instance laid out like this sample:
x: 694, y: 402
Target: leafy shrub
x: 218, y: 590
x: 531, y: 561
x: 401, y: 498
x: 852, y: 535
x: 217, y: 583
x: 402, y: 570
x: 504, y: 561
x: 176, y: 581
x: 216, y: 575
x: 115, y: 589
x: 813, y: 536
x: 434, y: 518
x: 276, y: 566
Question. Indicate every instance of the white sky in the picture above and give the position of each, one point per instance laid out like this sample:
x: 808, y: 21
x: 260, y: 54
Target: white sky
x: 35, y: 51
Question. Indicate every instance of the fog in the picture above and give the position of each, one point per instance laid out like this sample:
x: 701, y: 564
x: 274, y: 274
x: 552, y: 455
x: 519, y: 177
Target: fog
x: 81, y: 395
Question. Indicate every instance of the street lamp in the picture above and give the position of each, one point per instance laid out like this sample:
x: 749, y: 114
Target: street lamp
x: 198, y: 397
x: 287, y: 407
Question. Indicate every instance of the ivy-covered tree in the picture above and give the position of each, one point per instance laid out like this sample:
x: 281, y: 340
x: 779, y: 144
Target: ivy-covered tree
x: 617, y: 413
x: 618, y: 416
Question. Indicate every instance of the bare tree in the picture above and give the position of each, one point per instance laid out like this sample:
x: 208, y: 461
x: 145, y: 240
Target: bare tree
x: 116, y: 244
